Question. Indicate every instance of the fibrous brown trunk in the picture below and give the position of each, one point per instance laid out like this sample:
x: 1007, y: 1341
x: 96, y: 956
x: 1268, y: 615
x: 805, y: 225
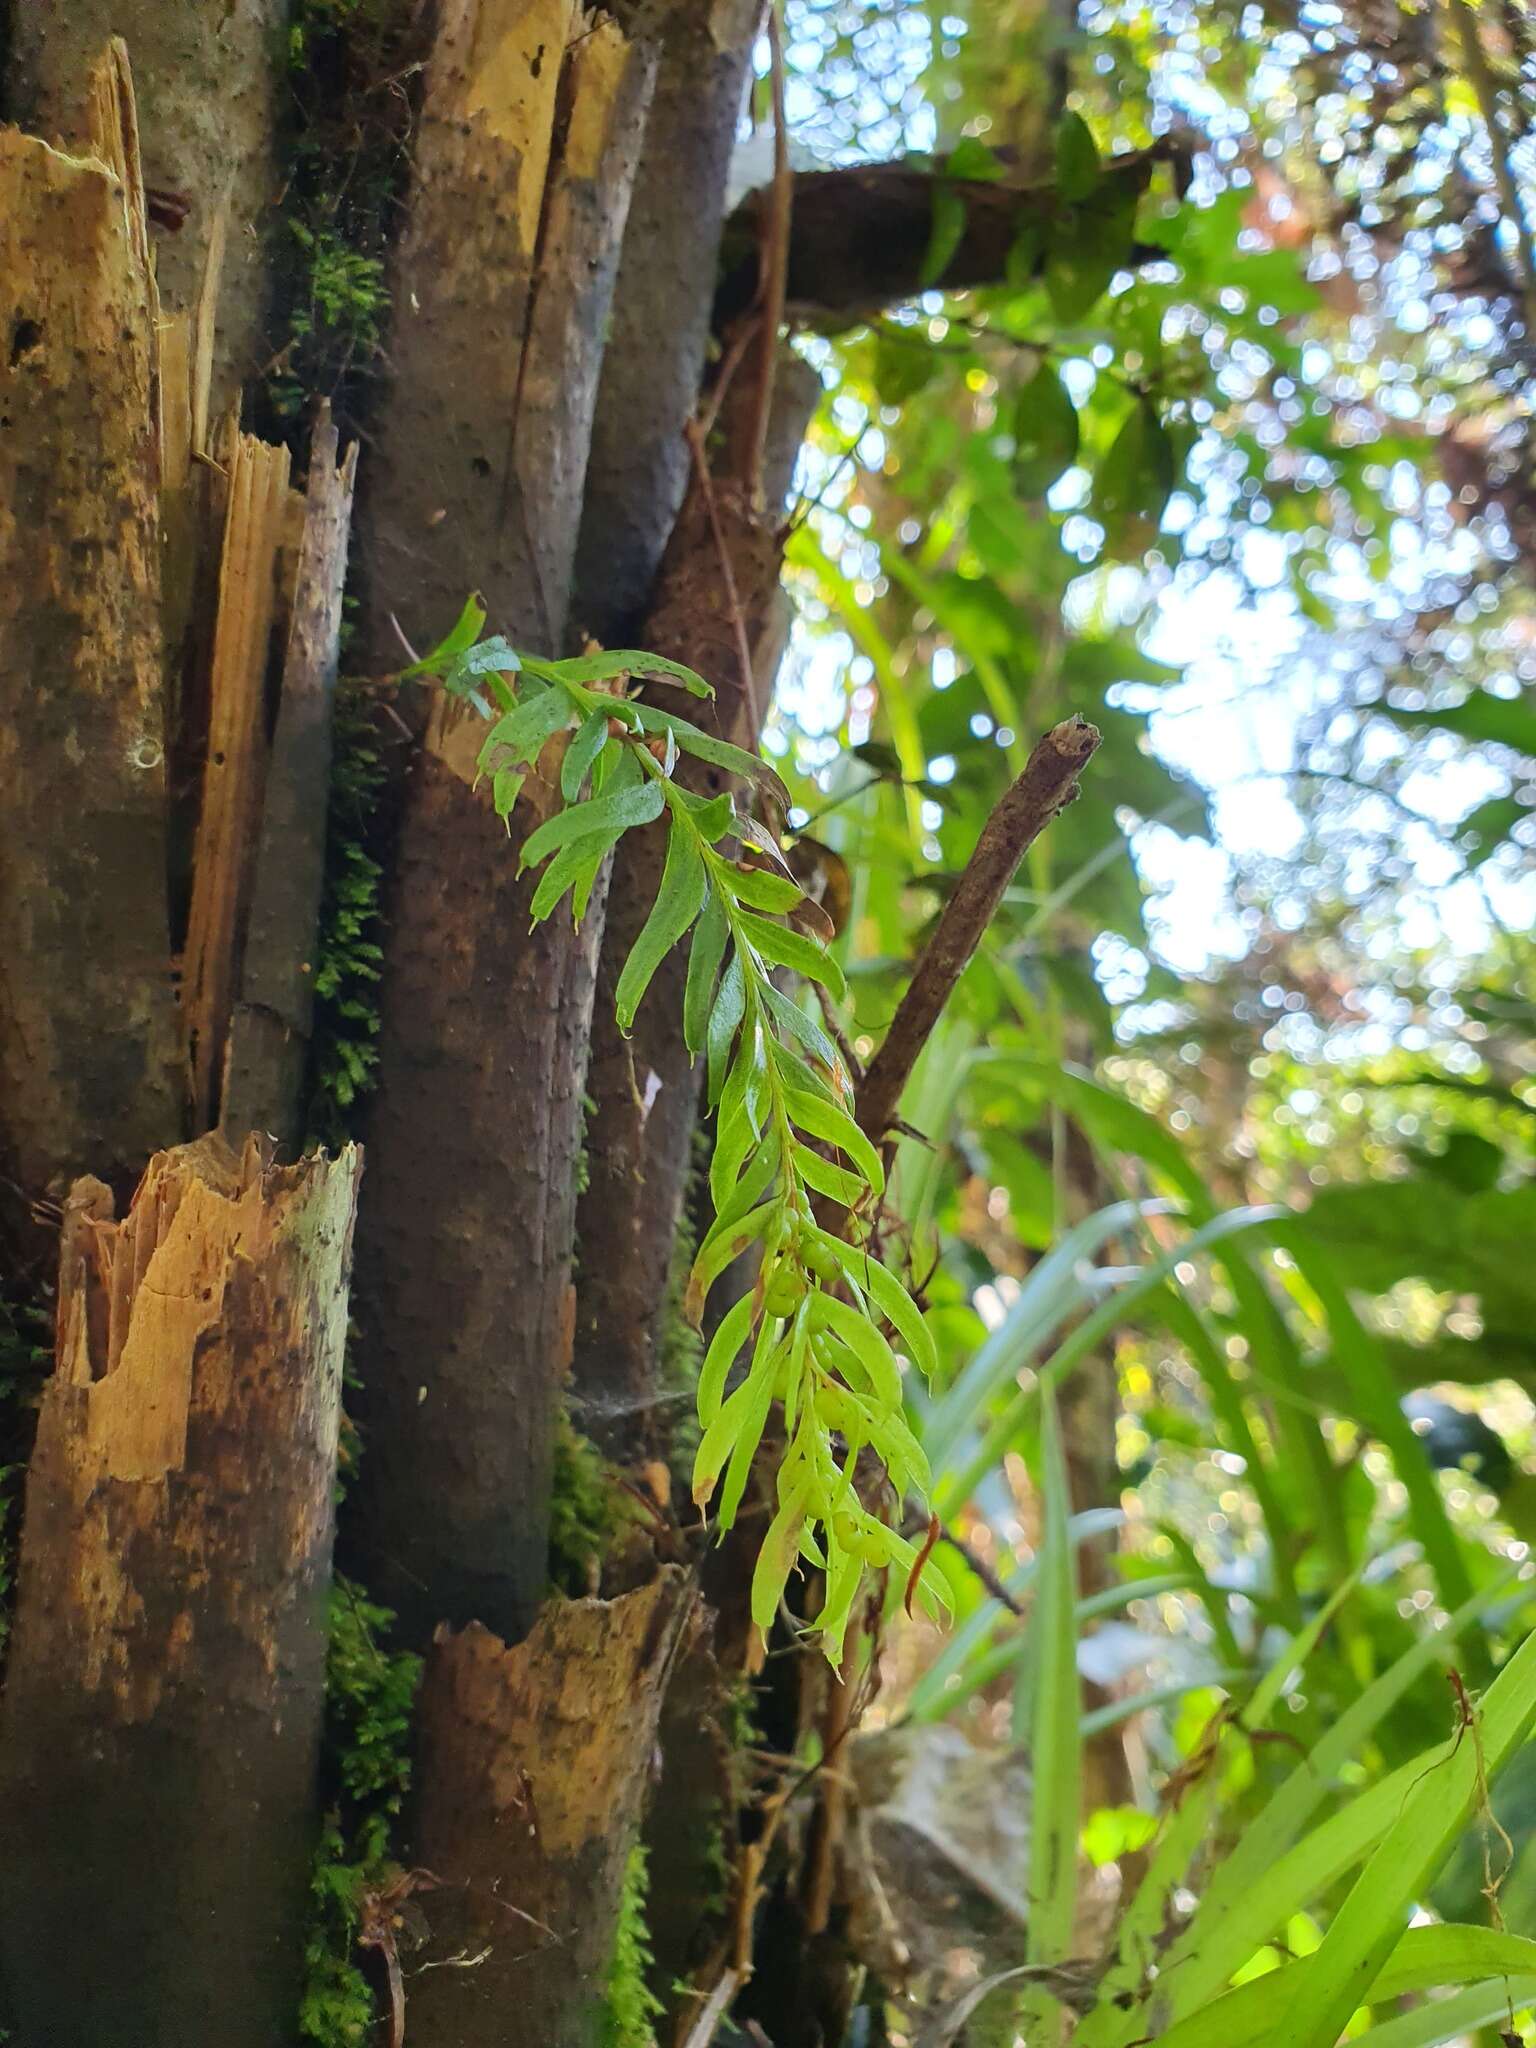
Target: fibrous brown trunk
x: 534, y: 1760
x: 718, y: 587
x: 163, y: 1706
x: 659, y: 329
x: 88, y: 1047
x: 208, y: 74
x: 529, y: 134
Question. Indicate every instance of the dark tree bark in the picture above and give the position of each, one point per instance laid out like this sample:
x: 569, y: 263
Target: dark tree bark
x: 466, y: 1246
x: 534, y: 1760
x: 718, y: 588
x: 165, y: 1690
x: 659, y: 327
x: 208, y: 79
x: 88, y: 1045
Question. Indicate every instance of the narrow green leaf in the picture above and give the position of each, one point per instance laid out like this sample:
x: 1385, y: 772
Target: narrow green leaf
x: 612, y: 663
x: 1452, y: 2019
x: 1056, y: 1758
x: 835, y: 1127
x: 761, y: 1384
x: 1225, y: 1929
x: 760, y: 890
x: 724, y: 1349
x: 724, y: 1021
x: 720, y: 753
x: 791, y: 1018
x: 1369, y: 1923
x: 1420, y: 1959
x: 792, y: 949
x: 573, y: 867
x: 704, y: 957
x: 729, y: 1238
x: 580, y: 755
x: 679, y: 899
x: 776, y: 1558
x: 888, y: 1295
x: 945, y: 235
x: 518, y: 736
x: 875, y: 1356
x: 506, y: 786
x: 1077, y: 158
x: 463, y: 634
x: 836, y: 1182
x: 615, y: 811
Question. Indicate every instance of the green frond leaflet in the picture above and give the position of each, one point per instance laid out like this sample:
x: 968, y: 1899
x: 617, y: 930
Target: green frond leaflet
x: 580, y: 755
x: 613, y: 812
x: 787, y: 948
x: 704, y: 958
x: 815, y: 1321
x: 679, y: 900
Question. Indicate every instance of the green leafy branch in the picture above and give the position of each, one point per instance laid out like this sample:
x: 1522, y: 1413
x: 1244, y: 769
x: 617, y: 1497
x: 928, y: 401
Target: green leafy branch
x: 814, y: 1325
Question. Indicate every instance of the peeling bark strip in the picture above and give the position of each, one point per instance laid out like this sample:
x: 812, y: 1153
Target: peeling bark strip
x: 87, y: 1031
x: 533, y: 1764
x: 208, y: 79
x: 269, y: 1038
x: 234, y: 774
x: 162, y: 1713
x: 523, y: 166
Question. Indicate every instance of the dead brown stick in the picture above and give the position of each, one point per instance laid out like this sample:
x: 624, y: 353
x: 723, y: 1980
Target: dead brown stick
x: 1046, y: 786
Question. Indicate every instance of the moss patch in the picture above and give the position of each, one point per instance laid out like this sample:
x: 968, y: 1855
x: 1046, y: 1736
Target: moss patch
x: 370, y: 1691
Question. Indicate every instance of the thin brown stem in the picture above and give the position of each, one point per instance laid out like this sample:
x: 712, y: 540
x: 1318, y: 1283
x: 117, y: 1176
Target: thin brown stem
x: 727, y: 572
x: 1046, y: 786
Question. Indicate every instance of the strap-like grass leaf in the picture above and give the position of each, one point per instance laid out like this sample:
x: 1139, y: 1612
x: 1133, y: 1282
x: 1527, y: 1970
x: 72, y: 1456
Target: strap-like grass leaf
x: 1056, y: 1745
x: 1225, y: 1931
x: 835, y: 1127
x: 679, y: 900
x: 1421, y: 1959
x: 1369, y: 1924
x: 613, y: 812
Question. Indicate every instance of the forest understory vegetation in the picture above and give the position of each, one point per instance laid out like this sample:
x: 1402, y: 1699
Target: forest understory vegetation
x: 821, y: 716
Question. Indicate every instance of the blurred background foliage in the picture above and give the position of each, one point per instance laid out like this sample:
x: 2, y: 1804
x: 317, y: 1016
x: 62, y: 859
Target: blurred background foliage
x: 1228, y: 1138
